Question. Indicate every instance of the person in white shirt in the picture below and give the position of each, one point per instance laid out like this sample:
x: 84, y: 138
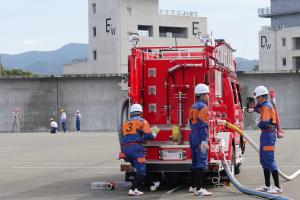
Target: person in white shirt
x: 63, y: 120
x: 54, y: 126
x: 78, y: 117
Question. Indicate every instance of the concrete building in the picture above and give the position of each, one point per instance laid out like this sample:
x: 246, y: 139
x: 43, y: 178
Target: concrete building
x: 279, y: 44
x: 112, y: 22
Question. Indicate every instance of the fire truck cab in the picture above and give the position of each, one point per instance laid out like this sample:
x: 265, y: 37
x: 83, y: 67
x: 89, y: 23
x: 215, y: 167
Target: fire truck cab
x: 162, y: 80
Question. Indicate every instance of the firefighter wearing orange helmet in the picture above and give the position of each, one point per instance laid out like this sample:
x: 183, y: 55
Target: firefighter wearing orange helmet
x: 267, y: 123
x: 198, y: 120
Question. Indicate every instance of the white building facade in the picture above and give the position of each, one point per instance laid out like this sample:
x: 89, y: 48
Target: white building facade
x: 279, y: 44
x: 112, y: 22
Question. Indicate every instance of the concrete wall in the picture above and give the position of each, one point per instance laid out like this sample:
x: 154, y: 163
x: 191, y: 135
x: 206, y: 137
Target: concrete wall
x: 292, y: 20
x: 285, y: 6
x: 287, y: 87
x: 99, y: 100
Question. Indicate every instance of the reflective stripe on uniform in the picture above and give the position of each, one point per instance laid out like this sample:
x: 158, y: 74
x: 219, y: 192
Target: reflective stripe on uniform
x: 269, y: 148
x: 141, y: 160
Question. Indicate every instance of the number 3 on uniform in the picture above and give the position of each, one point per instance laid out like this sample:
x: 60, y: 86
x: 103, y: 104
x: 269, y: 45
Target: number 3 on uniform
x: 129, y: 128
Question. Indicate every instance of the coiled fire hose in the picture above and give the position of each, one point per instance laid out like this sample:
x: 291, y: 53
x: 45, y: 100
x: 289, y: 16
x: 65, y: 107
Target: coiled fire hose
x: 243, y: 189
x: 255, y: 146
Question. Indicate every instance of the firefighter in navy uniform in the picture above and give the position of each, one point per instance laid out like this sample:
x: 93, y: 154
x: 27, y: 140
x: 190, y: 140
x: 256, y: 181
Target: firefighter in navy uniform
x: 267, y: 124
x: 198, y: 120
x: 135, y: 131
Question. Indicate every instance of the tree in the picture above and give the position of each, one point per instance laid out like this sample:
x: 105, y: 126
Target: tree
x: 256, y: 68
x: 13, y: 72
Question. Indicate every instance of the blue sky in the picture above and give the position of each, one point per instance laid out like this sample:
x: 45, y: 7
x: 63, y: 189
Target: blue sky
x: 49, y: 24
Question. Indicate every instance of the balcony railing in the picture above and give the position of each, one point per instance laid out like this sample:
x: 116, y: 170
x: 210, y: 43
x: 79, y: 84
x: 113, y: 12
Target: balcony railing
x: 265, y: 28
x: 172, y: 35
x: 264, y: 12
x: 77, y: 61
x: 179, y: 13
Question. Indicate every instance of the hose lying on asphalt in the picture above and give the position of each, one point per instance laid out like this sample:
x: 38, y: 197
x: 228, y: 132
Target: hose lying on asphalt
x: 255, y: 146
x: 245, y: 190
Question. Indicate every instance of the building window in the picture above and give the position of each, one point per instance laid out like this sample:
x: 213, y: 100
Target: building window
x: 94, y: 31
x: 145, y: 30
x: 94, y: 8
x: 296, y: 43
x: 296, y: 63
x: 283, y: 42
x: 95, y: 55
x: 173, y: 32
x: 284, y: 62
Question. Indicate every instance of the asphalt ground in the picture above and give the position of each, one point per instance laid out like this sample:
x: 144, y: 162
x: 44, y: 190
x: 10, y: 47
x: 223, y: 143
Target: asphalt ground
x: 40, y: 166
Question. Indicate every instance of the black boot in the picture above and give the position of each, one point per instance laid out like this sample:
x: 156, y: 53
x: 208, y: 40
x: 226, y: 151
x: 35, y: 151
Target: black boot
x: 193, y: 178
x: 276, y: 178
x: 138, y: 182
x: 267, y: 177
x: 199, y: 178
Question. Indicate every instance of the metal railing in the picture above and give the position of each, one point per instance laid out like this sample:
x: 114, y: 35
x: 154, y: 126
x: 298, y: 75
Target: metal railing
x: 172, y: 35
x: 265, y: 28
x: 179, y: 13
x: 264, y: 12
x: 176, y: 54
x: 77, y: 61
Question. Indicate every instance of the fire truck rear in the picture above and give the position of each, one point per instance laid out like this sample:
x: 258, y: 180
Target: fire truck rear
x: 162, y: 80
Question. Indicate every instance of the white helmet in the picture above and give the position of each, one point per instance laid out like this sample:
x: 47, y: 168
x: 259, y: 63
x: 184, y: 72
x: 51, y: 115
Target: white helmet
x: 260, y: 90
x: 201, y: 89
x: 136, y: 108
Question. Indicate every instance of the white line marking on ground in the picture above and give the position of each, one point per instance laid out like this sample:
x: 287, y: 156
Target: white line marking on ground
x: 175, y: 189
x: 61, y: 167
x: 280, y: 166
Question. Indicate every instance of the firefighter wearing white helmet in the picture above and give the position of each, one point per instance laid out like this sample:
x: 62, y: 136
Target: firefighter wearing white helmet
x: 198, y: 120
x: 267, y: 124
x: 260, y: 91
x: 135, y: 130
x: 201, y: 89
x: 136, y: 108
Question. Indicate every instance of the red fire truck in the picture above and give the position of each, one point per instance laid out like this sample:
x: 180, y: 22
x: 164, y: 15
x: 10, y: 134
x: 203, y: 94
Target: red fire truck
x: 162, y: 80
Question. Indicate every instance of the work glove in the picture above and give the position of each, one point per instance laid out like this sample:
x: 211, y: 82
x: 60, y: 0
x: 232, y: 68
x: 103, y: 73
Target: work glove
x: 257, y: 121
x: 203, y: 146
x: 155, y: 131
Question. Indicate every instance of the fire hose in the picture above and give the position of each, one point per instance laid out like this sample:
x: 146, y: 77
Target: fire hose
x: 243, y: 189
x: 124, y: 110
x: 255, y: 146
